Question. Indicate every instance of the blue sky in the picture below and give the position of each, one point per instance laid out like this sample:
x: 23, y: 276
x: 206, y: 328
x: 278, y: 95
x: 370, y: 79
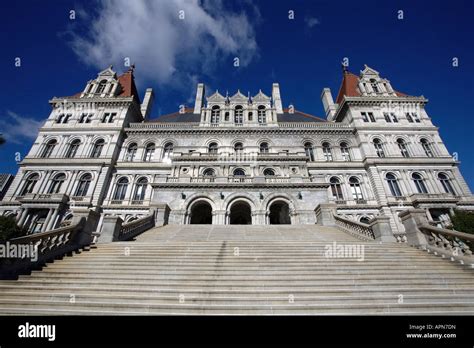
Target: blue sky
x: 59, y: 54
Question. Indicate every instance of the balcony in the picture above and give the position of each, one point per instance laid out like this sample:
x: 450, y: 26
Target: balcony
x: 44, y: 198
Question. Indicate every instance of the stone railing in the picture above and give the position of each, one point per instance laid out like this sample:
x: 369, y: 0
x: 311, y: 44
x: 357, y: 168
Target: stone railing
x: 400, y: 237
x: 34, y: 250
x: 134, y: 228
x: 355, y: 228
x: 450, y: 244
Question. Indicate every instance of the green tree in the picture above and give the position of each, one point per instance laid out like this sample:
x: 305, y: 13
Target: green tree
x: 463, y: 221
x: 9, y: 229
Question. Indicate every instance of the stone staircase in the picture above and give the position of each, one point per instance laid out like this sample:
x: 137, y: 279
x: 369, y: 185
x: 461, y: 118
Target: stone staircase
x: 195, y: 270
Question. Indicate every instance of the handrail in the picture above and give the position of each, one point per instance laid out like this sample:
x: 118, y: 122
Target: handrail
x: 355, y: 228
x: 136, y: 227
x: 456, y: 244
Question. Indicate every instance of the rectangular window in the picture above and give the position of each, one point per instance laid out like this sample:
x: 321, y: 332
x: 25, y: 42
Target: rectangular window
x: 364, y: 116
x: 412, y: 117
x: 371, y: 117
x: 387, y: 117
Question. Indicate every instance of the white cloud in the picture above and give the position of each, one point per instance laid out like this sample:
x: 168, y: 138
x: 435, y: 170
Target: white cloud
x: 164, y: 47
x: 311, y: 21
x: 16, y: 129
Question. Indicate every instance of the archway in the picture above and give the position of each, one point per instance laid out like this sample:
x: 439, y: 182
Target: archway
x: 279, y: 213
x: 201, y: 214
x: 240, y: 214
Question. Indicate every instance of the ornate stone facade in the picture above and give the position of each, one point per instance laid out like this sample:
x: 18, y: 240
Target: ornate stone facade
x: 236, y: 159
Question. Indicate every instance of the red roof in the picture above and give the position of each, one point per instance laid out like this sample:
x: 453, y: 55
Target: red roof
x: 349, y: 87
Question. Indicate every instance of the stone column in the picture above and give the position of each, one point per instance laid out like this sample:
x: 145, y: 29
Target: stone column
x: 52, y: 220
x: 161, y: 214
x: 23, y: 216
x: 382, y: 230
x: 110, y: 229
x: 411, y: 219
x: 46, y: 222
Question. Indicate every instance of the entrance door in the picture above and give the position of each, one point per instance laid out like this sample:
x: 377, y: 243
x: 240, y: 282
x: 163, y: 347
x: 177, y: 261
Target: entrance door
x: 201, y: 214
x: 280, y: 214
x: 240, y: 214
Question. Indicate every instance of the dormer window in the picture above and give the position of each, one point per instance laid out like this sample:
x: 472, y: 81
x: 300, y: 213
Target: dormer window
x: 215, y: 114
x: 101, y: 87
x: 262, y: 115
x: 374, y: 86
x: 239, y: 114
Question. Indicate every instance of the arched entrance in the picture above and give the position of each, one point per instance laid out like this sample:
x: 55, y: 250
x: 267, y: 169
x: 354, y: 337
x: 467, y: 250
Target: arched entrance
x: 240, y: 214
x: 201, y: 213
x: 279, y: 213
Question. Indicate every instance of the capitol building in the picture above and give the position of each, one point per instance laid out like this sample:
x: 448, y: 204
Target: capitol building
x: 237, y: 158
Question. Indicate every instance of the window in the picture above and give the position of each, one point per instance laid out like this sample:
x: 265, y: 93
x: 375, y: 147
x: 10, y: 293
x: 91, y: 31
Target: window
x: 374, y: 86
x: 213, y: 148
x: 444, y: 179
x: 73, y: 147
x: 121, y: 189
x: 209, y: 172
x: 308, y: 149
x: 403, y: 147
x: 150, y: 152
x: 393, y: 185
x: 140, y: 189
x: 97, y: 149
x: 345, y: 152
x: 412, y: 117
x: 327, y: 152
x: 355, y: 188
x: 379, y: 148
x: 364, y: 220
x: 390, y: 117
x: 168, y: 151
x: 250, y: 116
x: 63, y: 118
x: 109, y: 117
x: 85, y: 118
x: 238, y: 148
x: 264, y: 148
x: 269, y: 172
x: 29, y: 184
x: 57, y: 183
x: 83, y: 186
x: 226, y: 116
x: 239, y: 172
x: 101, y: 87
x: 48, y: 150
x: 368, y: 116
x: 336, y: 189
x: 262, y: 115
x: 239, y: 114
x: 215, y: 114
x: 427, y: 147
x: 131, y: 152
x: 419, y: 183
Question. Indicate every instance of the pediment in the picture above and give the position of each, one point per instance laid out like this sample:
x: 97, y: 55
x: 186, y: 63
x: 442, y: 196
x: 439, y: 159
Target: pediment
x: 238, y: 97
x: 216, y: 97
x: 369, y: 72
x: 261, y: 97
x: 108, y: 74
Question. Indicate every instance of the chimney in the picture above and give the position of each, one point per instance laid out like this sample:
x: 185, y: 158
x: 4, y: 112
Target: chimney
x: 201, y: 90
x: 328, y: 103
x: 147, y: 103
x: 277, y: 98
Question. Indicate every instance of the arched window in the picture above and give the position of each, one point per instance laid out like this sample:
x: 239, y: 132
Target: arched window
x: 48, y: 150
x: 419, y: 183
x: 209, y: 172
x: 97, y: 149
x: 121, y: 189
x: 364, y: 220
x: 83, y: 186
x: 131, y: 152
x: 238, y: 148
x: 168, y: 151
x: 29, y: 184
x: 379, y: 148
x: 393, y: 185
x: 140, y: 189
x: 403, y: 147
x: 150, y: 152
x: 346, y: 156
x: 73, y: 148
x: 57, y: 183
x: 264, y: 148
x: 213, y: 148
x: 269, y: 172
x: 308, y: 149
x: 262, y: 114
x: 355, y: 188
x: 444, y: 179
x: 327, y: 152
x: 239, y: 114
x: 215, y: 114
x: 239, y: 172
x: 336, y: 189
x: 101, y: 87
x: 427, y: 147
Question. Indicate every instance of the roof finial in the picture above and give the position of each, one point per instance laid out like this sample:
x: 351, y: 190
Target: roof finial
x: 344, y: 68
x: 132, y: 68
